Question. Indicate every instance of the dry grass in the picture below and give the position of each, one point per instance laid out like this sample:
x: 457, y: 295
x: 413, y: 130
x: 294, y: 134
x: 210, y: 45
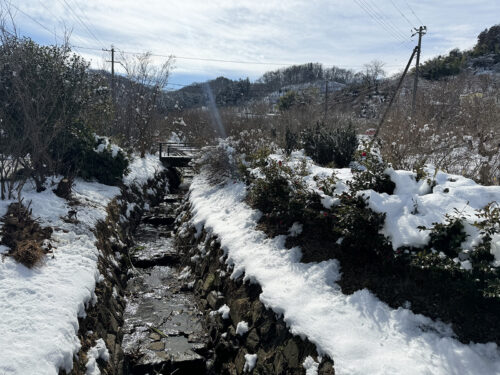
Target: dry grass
x: 29, y: 253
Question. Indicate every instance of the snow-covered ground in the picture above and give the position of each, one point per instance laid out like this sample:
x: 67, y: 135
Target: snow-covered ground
x: 39, y: 308
x: 362, y: 334
x: 413, y: 204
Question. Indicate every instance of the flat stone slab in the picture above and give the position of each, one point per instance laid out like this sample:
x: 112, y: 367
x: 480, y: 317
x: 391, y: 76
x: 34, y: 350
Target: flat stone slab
x: 161, y: 219
x: 162, y: 328
x: 154, y: 251
x: 172, y: 198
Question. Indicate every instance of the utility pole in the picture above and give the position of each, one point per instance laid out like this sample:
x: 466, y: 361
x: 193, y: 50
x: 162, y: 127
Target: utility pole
x: 112, y: 50
x: 326, y: 98
x: 393, y: 96
x: 420, y: 31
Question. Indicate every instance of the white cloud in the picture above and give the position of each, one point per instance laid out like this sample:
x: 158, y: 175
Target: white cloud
x: 328, y: 31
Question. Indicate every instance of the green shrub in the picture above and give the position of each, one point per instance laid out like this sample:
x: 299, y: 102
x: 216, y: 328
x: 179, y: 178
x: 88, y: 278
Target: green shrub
x: 345, y: 143
x: 373, y: 176
x: 287, y: 101
x: 291, y: 141
x: 447, y: 237
x: 75, y: 148
x: 325, y: 145
x: 359, y: 227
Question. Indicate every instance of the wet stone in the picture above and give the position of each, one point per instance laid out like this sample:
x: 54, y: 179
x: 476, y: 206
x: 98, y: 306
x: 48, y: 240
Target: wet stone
x: 157, y: 346
x: 163, y: 331
x: 159, y: 251
x: 158, y: 310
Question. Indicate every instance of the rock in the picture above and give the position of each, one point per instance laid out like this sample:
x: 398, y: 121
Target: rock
x: 257, y: 310
x: 279, y: 363
x: 209, y: 282
x: 157, y: 346
x: 326, y: 368
x: 252, y: 340
x: 239, y: 361
x: 266, y: 328
x: 154, y: 336
x: 239, y: 309
x: 110, y: 341
x: 214, y: 300
x: 291, y: 353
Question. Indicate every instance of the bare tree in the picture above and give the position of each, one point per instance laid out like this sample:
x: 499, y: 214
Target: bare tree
x: 373, y: 72
x: 143, y: 91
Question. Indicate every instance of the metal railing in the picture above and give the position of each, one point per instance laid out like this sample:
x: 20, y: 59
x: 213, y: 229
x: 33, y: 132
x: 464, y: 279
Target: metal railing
x: 173, y: 149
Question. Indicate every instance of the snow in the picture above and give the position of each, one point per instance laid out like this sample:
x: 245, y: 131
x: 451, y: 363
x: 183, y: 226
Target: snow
x: 107, y: 145
x: 99, y: 351
x: 359, y: 332
x: 495, y: 248
x: 295, y: 229
x: 241, y: 328
x: 250, y: 361
x: 311, y: 366
x: 142, y: 169
x: 224, y: 311
x: 40, y: 307
x: 451, y: 193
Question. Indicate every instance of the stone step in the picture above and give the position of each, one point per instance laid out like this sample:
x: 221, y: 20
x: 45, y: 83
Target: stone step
x: 163, y: 330
x: 150, y: 252
x: 173, y: 198
x: 161, y: 219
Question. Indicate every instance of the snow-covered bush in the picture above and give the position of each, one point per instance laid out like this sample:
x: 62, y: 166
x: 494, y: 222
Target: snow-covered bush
x: 44, y: 90
x: 359, y: 228
x: 448, y: 236
x: 373, y: 174
x: 326, y: 144
x: 218, y: 163
x: 81, y: 153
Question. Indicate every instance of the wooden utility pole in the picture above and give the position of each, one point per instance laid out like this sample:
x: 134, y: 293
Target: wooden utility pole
x: 326, y: 98
x: 112, y: 50
x: 420, y: 31
x: 393, y: 96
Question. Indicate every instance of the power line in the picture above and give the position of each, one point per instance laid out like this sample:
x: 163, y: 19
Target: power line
x: 220, y: 60
x: 37, y: 22
x: 59, y: 19
x: 402, y: 14
x: 85, y: 16
x: 380, y: 14
x: 78, y: 19
x: 379, y: 21
x: 411, y: 10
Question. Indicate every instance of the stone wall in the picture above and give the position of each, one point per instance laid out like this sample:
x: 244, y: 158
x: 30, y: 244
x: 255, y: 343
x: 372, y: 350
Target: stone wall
x: 278, y: 351
x: 114, y: 239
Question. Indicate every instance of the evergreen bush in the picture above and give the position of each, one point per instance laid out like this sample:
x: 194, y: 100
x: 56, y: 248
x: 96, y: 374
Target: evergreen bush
x: 325, y: 145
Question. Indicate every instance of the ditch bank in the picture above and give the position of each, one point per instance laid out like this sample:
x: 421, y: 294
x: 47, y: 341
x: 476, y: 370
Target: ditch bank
x: 230, y: 331
x: 245, y: 337
x: 115, y: 238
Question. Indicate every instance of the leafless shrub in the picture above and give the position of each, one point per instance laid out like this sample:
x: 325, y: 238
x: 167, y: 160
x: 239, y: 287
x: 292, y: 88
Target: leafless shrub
x: 29, y: 253
x: 218, y: 163
x: 454, y: 128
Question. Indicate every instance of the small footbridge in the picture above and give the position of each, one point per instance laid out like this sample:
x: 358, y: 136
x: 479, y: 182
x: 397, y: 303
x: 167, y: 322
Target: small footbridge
x: 174, y: 154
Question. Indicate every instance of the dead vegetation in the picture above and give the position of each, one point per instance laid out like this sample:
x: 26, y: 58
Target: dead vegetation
x: 26, y: 238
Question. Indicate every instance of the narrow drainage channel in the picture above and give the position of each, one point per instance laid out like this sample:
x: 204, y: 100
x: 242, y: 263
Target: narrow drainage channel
x: 163, y: 330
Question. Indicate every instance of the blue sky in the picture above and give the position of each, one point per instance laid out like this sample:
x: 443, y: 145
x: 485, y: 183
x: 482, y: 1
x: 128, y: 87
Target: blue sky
x: 271, y: 33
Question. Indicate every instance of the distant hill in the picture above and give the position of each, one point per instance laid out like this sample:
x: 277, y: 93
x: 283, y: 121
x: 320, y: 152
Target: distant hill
x: 483, y: 58
x: 270, y: 86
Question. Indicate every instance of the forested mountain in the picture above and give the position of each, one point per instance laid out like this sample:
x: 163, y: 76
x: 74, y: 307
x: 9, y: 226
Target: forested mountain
x: 228, y: 92
x: 484, y: 57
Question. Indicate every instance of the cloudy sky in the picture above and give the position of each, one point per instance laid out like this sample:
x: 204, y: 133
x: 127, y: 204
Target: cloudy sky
x: 245, y: 38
